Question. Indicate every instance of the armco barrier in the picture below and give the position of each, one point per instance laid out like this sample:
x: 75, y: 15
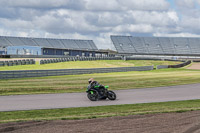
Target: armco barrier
x: 43, y: 73
x: 161, y: 66
x: 141, y: 58
x: 174, y: 66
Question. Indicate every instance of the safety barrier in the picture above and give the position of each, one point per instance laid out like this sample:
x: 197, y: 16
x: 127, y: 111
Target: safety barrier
x: 174, y: 66
x: 17, y: 62
x: 58, y: 72
x: 180, y: 65
x: 47, y: 61
x: 141, y: 58
x: 161, y: 66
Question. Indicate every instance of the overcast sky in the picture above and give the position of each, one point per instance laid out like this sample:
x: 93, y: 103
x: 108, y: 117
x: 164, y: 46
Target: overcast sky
x: 98, y: 19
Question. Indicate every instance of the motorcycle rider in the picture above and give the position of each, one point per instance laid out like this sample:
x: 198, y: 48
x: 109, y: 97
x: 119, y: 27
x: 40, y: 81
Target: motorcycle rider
x: 92, y: 84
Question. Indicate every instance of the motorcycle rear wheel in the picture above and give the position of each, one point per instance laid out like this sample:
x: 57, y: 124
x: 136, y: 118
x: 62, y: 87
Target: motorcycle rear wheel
x: 94, y: 96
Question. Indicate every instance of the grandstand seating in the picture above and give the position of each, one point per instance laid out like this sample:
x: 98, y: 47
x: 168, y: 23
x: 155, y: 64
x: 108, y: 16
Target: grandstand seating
x: 43, y: 43
x: 56, y: 43
x: 194, y: 45
x: 70, y: 44
x: 83, y: 44
x: 48, y: 43
x: 28, y: 41
x: 128, y: 47
x: 152, y: 45
x: 181, y: 45
x: 4, y: 42
x: 166, y: 45
x: 92, y: 44
x: 15, y: 41
x: 138, y: 44
x: 156, y: 45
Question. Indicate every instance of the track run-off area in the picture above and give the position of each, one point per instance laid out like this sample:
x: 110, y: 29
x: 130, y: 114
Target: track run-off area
x: 69, y: 100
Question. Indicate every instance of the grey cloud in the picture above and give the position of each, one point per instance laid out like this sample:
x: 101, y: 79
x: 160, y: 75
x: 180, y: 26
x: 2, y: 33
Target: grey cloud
x: 85, y: 21
x: 189, y: 4
x: 146, y: 5
x: 10, y: 13
x: 90, y: 5
x: 118, y: 5
x: 16, y: 24
x: 190, y: 15
x: 188, y: 7
x: 64, y: 22
x: 43, y: 4
x: 105, y: 19
x: 102, y: 5
x: 98, y: 19
x: 191, y: 24
x: 155, y: 18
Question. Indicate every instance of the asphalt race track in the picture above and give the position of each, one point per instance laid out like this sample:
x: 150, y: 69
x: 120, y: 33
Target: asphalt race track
x: 68, y: 100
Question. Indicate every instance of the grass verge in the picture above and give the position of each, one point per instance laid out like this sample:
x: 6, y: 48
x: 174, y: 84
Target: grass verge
x: 89, y: 64
x: 116, y: 81
x: 100, y: 111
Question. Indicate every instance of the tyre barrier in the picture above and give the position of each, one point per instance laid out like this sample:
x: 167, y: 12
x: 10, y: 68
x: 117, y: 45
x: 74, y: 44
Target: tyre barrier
x: 47, y: 61
x: 17, y: 62
x: 180, y: 65
x: 174, y: 66
x: 195, y: 60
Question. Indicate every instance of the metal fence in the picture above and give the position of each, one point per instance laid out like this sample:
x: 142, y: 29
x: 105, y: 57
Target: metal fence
x: 17, y: 62
x: 43, y: 73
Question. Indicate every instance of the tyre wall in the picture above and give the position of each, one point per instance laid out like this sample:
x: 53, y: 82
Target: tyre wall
x: 174, y: 66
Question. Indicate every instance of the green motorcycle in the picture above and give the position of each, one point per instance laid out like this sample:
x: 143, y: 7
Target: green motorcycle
x: 100, y: 92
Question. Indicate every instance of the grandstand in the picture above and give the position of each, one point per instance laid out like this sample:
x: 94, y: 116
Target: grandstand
x: 171, y: 46
x: 48, y: 46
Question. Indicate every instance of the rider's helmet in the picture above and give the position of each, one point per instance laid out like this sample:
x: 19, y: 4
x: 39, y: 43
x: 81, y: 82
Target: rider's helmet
x: 90, y: 80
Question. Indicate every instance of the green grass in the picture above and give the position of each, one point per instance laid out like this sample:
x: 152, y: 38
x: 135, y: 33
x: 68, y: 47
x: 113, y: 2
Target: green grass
x: 100, y: 111
x: 89, y: 64
x: 78, y: 83
x: 116, y: 81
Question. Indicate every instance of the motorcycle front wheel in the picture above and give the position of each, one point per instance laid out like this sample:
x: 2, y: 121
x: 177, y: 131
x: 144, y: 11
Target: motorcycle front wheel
x: 111, y: 95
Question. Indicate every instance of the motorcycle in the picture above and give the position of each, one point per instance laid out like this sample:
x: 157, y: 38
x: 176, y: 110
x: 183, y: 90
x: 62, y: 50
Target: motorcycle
x: 100, y: 93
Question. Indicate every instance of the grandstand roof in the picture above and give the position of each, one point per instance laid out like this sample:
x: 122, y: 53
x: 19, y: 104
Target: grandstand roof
x: 48, y: 43
x: 156, y: 45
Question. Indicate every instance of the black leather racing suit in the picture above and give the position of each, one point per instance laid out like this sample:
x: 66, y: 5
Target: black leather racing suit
x: 99, y: 89
x: 92, y: 85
